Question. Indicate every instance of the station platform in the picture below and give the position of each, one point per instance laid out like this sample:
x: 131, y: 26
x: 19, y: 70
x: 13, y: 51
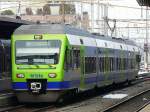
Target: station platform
x: 146, y: 109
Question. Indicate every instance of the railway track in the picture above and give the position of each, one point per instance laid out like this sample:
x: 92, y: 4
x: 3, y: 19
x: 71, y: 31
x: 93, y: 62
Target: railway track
x: 78, y: 100
x: 28, y: 108
x: 138, y: 110
x: 52, y: 107
x: 7, y: 109
x: 132, y: 104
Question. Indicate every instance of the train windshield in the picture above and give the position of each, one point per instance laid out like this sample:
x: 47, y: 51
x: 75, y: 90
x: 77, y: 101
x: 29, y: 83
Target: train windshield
x: 37, y: 52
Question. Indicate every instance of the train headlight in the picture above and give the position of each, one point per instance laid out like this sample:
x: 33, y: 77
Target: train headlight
x: 20, y: 75
x: 52, y: 75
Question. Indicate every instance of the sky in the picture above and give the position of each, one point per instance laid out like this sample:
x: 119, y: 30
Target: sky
x: 114, y: 11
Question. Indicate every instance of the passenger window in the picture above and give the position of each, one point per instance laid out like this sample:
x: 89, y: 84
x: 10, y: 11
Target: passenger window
x: 90, y: 65
x: 138, y: 58
x: 67, y: 59
x: 81, y: 41
x: 72, y: 58
x: 76, y: 58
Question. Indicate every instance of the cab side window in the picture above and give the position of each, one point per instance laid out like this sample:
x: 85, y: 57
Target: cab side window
x: 76, y: 58
x: 72, y: 58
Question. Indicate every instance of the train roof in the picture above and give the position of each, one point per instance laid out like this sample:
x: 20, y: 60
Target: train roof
x: 50, y: 29
x: 64, y: 29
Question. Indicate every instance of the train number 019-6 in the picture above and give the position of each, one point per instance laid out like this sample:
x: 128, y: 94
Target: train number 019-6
x: 36, y: 76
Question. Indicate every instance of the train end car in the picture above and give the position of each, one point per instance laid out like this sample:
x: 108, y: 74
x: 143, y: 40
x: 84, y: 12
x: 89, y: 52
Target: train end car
x: 38, y: 59
x: 49, y: 60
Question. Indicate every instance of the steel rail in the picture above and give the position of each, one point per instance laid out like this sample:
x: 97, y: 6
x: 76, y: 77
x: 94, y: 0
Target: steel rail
x: 11, y: 108
x: 142, y: 107
x: 30, y: 109
x: 43, y: 108
x: 113, y: 107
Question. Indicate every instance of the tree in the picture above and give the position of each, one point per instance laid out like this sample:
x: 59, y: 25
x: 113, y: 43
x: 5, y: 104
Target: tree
x: 46, y: 10
x: 7, y: 12
x: 68, y: 9
x: 39, y: 11
x: 29, y: 11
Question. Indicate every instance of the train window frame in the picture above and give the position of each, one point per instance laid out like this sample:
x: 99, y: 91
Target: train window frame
x: 121, y: 47
x: 117, y: 63
x: 111, y: 63
x: 67, y: 59
x: 138, y: 58
x: 76, y: 58
x: 73, y: 59
x: 90, y: 65
x: 105, y: 44
x: 58, y: 60
x: 99, y: 63
x: 102, y: 64
x: 81, y: 41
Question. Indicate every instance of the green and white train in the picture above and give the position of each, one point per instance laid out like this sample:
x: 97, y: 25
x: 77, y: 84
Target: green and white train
x: 51, y: 59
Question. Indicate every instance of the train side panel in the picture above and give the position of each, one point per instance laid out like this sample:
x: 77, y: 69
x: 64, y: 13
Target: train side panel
x: 103, y: 64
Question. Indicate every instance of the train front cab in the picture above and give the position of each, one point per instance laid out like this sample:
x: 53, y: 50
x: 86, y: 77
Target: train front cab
x: 37, y: 71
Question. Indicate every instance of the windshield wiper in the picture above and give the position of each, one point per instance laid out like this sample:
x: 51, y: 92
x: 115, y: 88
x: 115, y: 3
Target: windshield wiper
x: 50, y: 66
x: 31, y: 58
x: 23, y: 57
x: 36, y: 57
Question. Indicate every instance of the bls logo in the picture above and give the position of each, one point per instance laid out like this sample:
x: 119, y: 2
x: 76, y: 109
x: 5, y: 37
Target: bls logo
x: 35, y: 86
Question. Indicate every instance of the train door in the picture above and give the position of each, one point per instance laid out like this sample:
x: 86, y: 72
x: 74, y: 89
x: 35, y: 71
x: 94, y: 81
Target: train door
x: 122, y: 74
x: 72, y: 64
x: 75, y: 60
x: 82, y: 65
